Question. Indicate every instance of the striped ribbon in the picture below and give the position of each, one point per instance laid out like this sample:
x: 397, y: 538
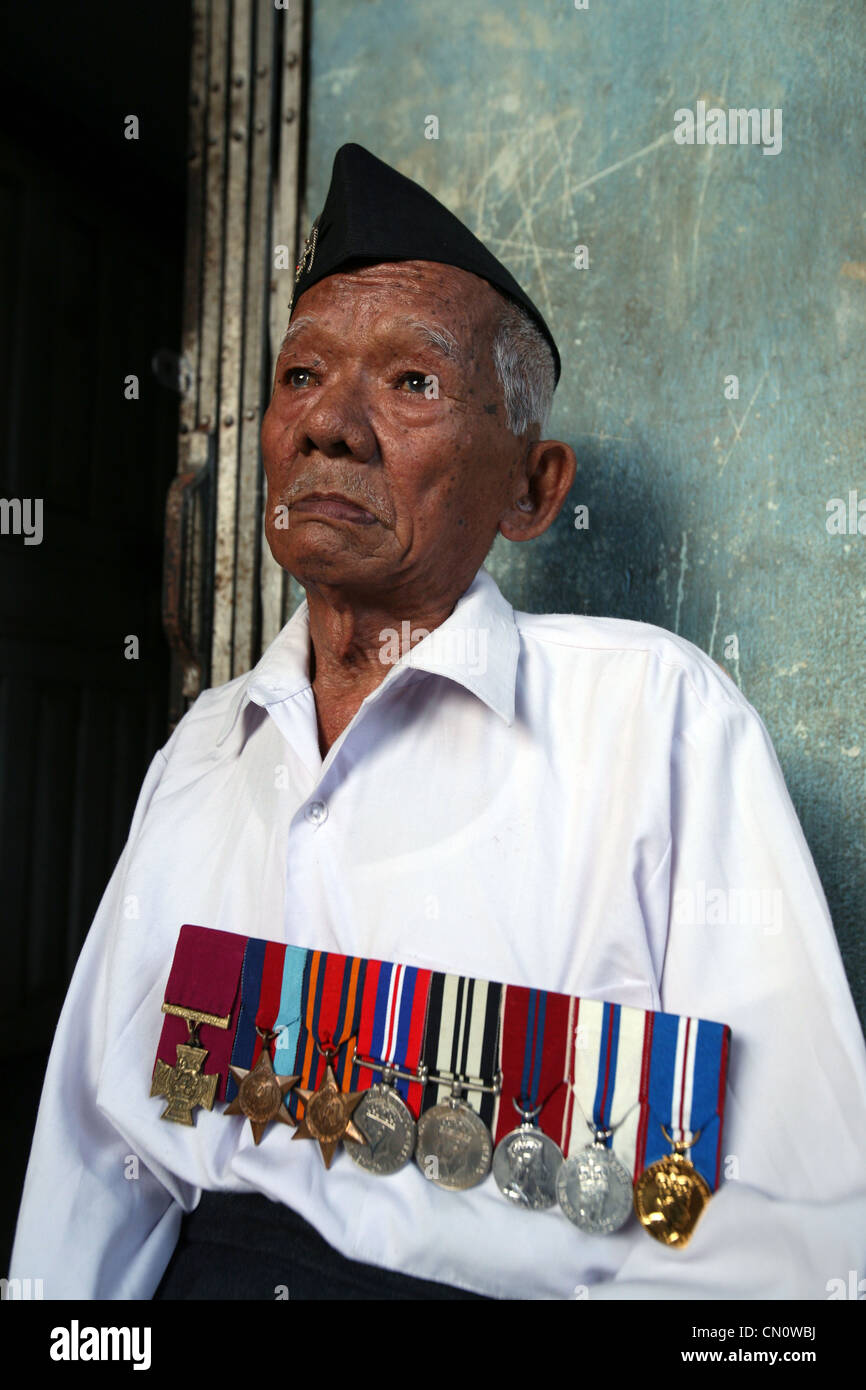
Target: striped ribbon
x: 604, y: 1068
x: 463, y: 1038
x: 271, y: 992
x: 535, y: 1025
x: 624, y: 1069
x: 333, y: 988
x: 391, y: 1028
x: 247, y: 1045
x: 683, y: 1088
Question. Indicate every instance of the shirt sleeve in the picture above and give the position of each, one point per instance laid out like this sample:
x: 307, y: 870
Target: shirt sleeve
x: 94, y: 1222
x: 750, y: 943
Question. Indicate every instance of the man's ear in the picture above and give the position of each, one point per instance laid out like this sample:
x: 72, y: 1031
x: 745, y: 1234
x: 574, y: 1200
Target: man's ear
x: 543, y: 486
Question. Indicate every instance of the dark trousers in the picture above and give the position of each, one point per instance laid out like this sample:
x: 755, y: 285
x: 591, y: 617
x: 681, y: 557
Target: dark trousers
x: 240, y: 1245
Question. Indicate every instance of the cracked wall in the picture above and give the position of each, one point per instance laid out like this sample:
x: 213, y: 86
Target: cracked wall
x: 707, y: 510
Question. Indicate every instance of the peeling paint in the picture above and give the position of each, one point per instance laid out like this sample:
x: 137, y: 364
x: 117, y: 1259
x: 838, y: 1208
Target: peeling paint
x: 703, y: 264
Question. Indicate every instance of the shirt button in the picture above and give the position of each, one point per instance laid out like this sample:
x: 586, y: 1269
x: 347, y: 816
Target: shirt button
x: 316, y: 813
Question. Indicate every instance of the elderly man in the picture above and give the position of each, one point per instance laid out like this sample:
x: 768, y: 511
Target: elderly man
x: 392, y: 491
x: 414, y: 772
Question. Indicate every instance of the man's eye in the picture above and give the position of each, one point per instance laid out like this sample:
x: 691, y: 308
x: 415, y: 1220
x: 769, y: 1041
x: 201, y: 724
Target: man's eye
x: 415, y: 383
x: 298, y: 377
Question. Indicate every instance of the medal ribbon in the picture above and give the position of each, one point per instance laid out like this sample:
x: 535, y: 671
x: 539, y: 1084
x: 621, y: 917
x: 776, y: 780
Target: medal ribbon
x: 683, y: 1089
x: 205, y: 975
x: 612, y: 1056
x: 391, y: 1026
x: 604, y: 1068
x: 271, y: 989
x: 289, y: 1011
x: 248, y: 1044
x: 332, y: 990
x: 532, y: 1059
x: 463, y: 1038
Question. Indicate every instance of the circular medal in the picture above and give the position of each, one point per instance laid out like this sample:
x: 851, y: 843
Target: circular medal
x: 387, y: 1125
x: 454, y: 1147
x: 525, y: 1166
x: 669, y: 1197
x: 595, y: 1190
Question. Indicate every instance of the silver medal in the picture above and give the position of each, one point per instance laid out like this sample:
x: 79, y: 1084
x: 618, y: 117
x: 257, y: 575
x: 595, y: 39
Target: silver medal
x: 594, y: 1189
x: 525, y: 1166
x: 454, y: 1146
x: 386, y: 1123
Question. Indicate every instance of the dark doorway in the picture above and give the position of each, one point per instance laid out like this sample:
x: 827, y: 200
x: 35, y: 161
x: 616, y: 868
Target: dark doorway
x: 91, y: 264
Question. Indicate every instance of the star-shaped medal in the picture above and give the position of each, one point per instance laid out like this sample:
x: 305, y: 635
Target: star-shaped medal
x: 260, y: 1095
x: 328, y: 1115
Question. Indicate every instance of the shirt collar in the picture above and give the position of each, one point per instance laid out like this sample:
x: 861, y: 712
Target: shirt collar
x: 477, y: 646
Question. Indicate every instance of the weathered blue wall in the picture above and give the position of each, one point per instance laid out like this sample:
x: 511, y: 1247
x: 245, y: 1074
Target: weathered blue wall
x: 706, y: 515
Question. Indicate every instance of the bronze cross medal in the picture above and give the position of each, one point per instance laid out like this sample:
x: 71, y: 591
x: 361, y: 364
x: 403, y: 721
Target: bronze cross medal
x: 184, y: 1085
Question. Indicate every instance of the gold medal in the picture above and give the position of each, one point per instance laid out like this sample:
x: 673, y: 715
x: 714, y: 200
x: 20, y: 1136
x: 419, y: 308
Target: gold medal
x: 670, y: 1195
x: 328, y: 1112
x: 261, y: 1091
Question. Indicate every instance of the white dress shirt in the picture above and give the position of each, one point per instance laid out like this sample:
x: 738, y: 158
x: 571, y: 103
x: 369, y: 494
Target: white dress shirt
x: 572, y: 803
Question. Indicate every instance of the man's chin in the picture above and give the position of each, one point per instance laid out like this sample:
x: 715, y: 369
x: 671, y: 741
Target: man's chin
x: 321, y: 560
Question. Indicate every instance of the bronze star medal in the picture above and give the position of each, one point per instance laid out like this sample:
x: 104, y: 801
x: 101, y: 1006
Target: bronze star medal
x: 260, y: 1093
x: 328, y: 1115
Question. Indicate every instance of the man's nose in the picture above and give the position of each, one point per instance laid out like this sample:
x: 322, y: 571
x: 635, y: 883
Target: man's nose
x: 336, y: 422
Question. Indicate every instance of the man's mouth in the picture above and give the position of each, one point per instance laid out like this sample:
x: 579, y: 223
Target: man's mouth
x: 331, y: 504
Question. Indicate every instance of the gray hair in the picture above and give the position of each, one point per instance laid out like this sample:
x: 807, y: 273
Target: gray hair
x: 524, y: 364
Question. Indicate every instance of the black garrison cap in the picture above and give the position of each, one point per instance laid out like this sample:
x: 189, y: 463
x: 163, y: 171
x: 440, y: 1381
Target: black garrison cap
x: 372, y: 213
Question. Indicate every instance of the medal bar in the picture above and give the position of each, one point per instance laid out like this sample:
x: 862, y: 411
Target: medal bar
x: 557, y: 1059
x: 390, y: 1072
x: 460, y: 1083
x: 197, y: 1016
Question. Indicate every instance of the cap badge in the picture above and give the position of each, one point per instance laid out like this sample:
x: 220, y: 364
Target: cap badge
x: 309, y: 251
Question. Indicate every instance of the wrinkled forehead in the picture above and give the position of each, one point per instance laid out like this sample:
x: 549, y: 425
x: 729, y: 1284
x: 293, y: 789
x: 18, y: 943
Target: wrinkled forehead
x: 464, y: 305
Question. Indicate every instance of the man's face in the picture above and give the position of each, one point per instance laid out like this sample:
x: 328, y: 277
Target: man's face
x: 369, y: 407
